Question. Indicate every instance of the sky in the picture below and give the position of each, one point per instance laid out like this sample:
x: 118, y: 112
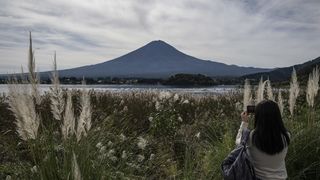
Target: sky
x: 255, y: 33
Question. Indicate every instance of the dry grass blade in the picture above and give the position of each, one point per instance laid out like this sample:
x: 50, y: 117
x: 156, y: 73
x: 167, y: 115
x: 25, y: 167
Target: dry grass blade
x: 75, y: 168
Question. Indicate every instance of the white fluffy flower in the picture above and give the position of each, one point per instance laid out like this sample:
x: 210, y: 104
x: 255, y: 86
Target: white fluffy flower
x: 151, y: 157
x: 99, y: 145
x: 185, y: 101
x: 125, y: 109
x: 34, y: 169
x: 122, y: 137
x: 124, y: 155
x: 111, y: 152
x: 142, y: 143
x: 140, y: 158
x: 197, y: 135
x: 176, y: 97
x: 164, y: 95
x: 103, y: 149
x: 157, y: 105
x: 110, y: 143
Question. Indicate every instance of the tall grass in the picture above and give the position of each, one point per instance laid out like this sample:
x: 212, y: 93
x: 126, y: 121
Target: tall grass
x: 293, y: 91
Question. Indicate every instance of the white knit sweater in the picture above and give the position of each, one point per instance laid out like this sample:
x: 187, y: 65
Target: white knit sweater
x: 266, y: 166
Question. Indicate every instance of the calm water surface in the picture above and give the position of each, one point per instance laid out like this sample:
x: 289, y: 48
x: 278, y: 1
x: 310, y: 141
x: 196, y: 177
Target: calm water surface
x: 128, y: 88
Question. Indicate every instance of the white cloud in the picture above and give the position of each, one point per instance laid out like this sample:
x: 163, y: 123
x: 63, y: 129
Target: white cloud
x: 265, y: 33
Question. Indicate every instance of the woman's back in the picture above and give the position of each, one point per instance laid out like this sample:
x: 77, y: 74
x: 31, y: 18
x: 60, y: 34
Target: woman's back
x: 267, y: 166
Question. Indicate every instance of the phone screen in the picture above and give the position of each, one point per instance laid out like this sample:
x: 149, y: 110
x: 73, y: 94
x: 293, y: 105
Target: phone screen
x: 250, y: 109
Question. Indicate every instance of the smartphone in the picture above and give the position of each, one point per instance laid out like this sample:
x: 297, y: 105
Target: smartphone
x: 250, y: 109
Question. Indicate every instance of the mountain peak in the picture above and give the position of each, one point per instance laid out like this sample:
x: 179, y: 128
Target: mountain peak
x: 159, y: 44
x: 158, y: 47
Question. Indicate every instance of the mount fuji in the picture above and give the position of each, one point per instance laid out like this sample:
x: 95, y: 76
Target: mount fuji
x: 158, y: 59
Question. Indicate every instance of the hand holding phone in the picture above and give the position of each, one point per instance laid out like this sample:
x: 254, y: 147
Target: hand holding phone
x: 244, y: 116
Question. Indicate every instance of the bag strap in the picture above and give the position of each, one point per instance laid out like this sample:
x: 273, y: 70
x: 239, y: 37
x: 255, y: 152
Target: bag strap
x: 245, y: 136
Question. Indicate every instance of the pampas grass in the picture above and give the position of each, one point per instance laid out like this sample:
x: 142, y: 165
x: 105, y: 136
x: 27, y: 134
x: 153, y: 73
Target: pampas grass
x: 68, y: 126
x: 247, y: 97
x: 56, y: 94
x: 34, y: 78
x: 21, y: 104
x: 293, y: 91
x: 312, y: 86
x: 84, y: 122
x: 269, y: 90
x: 260, y: 91
x: 280, y: 102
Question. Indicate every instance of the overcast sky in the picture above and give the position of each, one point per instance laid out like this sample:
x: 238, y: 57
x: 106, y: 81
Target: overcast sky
x: 259, y: 33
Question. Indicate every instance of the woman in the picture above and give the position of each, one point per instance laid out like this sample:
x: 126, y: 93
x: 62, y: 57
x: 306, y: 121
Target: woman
x: 268, y: 142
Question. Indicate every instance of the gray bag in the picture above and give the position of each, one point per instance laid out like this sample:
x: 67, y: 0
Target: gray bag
x: 237, y: 165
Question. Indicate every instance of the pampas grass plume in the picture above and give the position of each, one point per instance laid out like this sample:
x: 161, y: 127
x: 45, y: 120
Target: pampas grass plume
x: 68, y: 126
x: 293, y: 91
x: 269, y: 90
x: 312, y: 86
x: 21, y: 104
x: 56, y: 95
x: 260, y: 91
x: 34, y: 78
x: 246, y: 94
x: 280, y: 102
x: 84, y: 122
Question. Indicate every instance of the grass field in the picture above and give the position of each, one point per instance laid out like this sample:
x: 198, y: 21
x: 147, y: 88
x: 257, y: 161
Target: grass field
x: 147, y: 135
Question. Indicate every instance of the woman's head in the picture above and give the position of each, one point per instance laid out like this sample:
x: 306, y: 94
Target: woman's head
x: 270, y: 135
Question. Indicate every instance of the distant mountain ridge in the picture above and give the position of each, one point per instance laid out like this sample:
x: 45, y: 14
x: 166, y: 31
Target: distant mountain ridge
x: 284, y: 74
x: 158, y: 59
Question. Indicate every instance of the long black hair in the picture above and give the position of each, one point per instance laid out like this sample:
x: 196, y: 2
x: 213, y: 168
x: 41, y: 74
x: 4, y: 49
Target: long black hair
x: 270, y: 135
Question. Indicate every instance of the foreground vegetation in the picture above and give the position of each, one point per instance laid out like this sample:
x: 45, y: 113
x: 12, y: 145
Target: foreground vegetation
x: 147, y: 135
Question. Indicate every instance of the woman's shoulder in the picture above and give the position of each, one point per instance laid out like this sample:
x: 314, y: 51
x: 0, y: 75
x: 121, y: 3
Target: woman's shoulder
x: 250, y: 137
x: 289, y: 134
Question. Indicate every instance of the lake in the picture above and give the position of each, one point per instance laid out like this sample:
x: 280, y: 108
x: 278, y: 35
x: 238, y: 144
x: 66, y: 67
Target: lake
x: 128, y: 88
